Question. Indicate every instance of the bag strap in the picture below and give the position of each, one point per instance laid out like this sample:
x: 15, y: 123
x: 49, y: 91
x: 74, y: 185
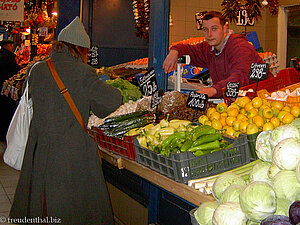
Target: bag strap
x: 64, y: 91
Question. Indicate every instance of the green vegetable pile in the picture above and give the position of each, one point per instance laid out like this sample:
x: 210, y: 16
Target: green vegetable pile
x: 128, y: 90
x: 117, y: 126
x: 200, y: 139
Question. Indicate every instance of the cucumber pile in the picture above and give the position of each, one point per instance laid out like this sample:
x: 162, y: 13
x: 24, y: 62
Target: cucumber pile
x: 117, y: 126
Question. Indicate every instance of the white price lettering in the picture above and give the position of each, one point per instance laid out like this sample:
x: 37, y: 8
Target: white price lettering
x: 196, y: 103
x: 184, y: 171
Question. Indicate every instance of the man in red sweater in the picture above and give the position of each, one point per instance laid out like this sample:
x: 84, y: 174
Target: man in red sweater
x: 227, y: 56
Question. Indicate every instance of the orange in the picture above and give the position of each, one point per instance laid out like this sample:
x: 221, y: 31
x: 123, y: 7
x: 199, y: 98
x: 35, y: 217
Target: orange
x: 210, y: 111
x: 215, y: 115
x: 288, y: 118
x: 202, y: 119
x: 216, y: 124
x: 208, y: 123
x: 242, y: 117
x: 243, y: 126
x: 267, y: 113
x: 268, y: 126
x: 251, y: 113
x: 248, y: 106
x: 243, y: 111
x: 278, y: 105
x: 275, y: 121
x: 229, y: 120
x: 223, y: 120
x: 236, y: 125
x: 233, y: 105
x: 257, y: 102
x: 230, y: 131
x: 233, y: 112
x: 241, y: 102
x: 221, y: 107
x: 224, y: 114
x: 295, y: 110
x: 286, y: 108
x: 281, y: 114
x: 252, y: 128
x: 258, y: 120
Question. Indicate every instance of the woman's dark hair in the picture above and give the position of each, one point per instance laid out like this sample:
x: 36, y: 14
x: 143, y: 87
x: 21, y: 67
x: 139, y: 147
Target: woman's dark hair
x: 211, y: 14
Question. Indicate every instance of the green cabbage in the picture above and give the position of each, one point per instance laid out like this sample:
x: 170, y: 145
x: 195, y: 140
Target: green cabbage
x: 205, y: 212
x: 258, y: 200
x: 231, y: 194
x: 286, y: 154
x: 273, y: 170
x: 224, y: 181
x: 296, y: 123
x: 282, y: 206
x: 283, y: 132
x: 298, y: 171
x: 259, y: 172
x: 286, y: 185
x: 229, y: 213
x: 263, y: 147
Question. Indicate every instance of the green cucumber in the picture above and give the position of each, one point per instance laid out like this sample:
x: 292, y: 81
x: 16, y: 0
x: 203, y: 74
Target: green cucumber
x: 125, y: 116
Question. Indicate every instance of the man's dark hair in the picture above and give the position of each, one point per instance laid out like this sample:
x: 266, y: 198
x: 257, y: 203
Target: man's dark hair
x: 211, y: 14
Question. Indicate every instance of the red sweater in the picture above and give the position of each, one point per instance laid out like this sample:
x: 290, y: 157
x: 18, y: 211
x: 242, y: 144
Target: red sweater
x: 232, y: 64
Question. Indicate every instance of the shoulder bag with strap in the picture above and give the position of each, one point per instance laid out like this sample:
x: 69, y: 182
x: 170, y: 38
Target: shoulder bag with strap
x: 64, y: 91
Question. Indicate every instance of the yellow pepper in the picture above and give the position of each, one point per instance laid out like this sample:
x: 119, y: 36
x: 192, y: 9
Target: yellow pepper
x: 154, y: 129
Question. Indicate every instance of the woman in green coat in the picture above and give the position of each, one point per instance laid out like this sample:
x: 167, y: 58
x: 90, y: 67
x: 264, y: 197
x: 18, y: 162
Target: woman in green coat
x: 61, y: 177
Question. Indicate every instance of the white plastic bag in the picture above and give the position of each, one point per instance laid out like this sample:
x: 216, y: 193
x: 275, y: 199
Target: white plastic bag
x: 18, y: 131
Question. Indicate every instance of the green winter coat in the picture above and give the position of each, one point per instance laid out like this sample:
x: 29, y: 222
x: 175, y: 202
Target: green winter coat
x: 61, y: 160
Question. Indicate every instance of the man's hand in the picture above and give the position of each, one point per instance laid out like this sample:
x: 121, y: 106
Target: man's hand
x: 210, y: 91
x: 170, y: 61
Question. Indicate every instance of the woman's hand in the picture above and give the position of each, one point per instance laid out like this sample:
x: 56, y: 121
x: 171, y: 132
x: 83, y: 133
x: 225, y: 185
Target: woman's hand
x: 170, y: 61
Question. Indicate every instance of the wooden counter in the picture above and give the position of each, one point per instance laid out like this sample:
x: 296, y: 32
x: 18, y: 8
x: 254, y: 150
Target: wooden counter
x: 181, y: 190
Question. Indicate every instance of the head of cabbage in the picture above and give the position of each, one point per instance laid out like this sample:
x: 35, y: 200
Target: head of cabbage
x: 286, y: 154
x: 258, y: 200
x: 205, y: 212
x: 298, y: 171
x: 260, y: 171
x: 231, y: 194
x: 286, y: 185
x: 263, y: 146
x: 283, y: 132
x: 229, y: 213
x: 224, y: 181
x: 282, y: 206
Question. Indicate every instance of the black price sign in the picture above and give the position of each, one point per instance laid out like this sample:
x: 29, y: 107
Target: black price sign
x: 259, y: 71
x: 197, y: 100
x: 93, y: 56
x: 156, y: 98
x: 232, y: 89
x: 148, y: 83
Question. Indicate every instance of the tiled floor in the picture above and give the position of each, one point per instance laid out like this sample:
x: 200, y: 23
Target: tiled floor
x: 8, y: 182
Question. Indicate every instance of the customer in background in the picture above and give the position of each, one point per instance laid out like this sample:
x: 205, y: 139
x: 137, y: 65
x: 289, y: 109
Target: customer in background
x: 8, y: 68
x: 227, y: 56
x: 61, y: 175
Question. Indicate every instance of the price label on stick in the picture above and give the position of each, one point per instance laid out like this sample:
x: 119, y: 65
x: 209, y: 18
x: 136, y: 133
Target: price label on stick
x: 148, y: 83
x: 156, y: 98
x: 232, y: 89
x: 197, y: 101
x: 259, y: 71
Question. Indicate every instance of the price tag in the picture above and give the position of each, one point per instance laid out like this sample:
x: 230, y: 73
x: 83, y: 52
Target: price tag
x: 156, y: 98
x: 148, y: 84
x: 197, y: 101
x: 259, y: 71
x: 232, y: 89
x: 93, y: 56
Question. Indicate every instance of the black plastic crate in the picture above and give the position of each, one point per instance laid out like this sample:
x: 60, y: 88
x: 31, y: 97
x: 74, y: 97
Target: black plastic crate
x: 183, y: 167
x: 193, y: 218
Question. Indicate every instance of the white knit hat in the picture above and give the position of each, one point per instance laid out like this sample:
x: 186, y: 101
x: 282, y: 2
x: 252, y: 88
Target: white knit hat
x: 75, y: 34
